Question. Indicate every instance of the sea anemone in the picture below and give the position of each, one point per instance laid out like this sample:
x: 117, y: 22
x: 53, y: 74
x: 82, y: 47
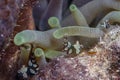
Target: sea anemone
x: 67, y: 46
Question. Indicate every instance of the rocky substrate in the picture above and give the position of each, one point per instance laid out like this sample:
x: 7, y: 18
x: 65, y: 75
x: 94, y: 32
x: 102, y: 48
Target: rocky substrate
x: 101, y: 63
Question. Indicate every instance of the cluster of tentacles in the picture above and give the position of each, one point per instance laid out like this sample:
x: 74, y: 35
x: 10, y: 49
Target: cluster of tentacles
x: 15, y: 16
x: 44, y: 35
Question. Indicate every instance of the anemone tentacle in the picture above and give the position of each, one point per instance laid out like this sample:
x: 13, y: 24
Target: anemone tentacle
x: 24, y: 55
x: 40, y: 57
x: 93, y: 8
x: 51, y: 54
x: 78, y: 16
x: 113, y: 17
x: 78, y: 31
x: 54, y: 22
x: 43, y: 39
